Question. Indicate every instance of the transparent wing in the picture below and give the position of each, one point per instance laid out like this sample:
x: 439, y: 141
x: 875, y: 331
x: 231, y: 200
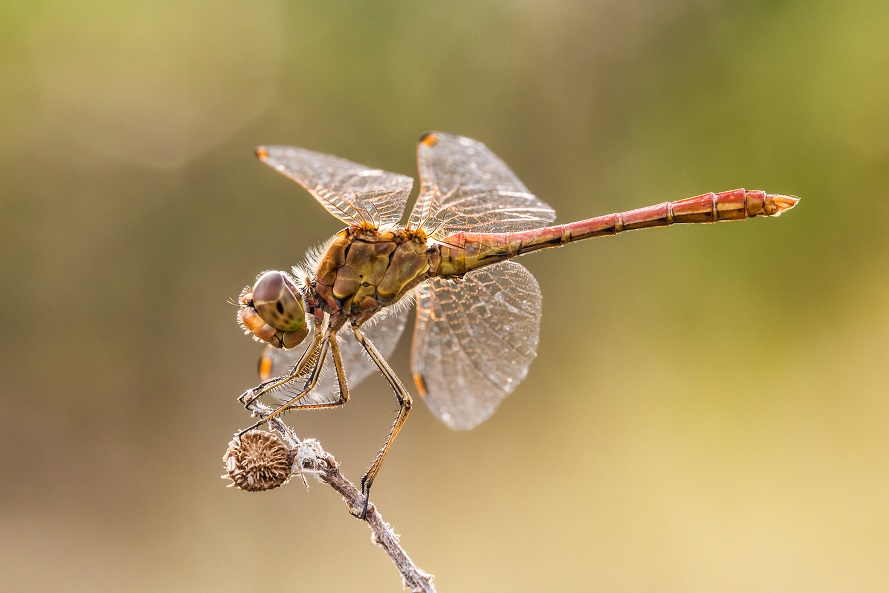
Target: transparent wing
x: 474, y: 341
x: 384, y: 333
x: 353, y: 193
x: 466, y: 187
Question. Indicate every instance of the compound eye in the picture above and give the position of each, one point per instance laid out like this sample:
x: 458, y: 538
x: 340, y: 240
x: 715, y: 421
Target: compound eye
x: 279, y: 302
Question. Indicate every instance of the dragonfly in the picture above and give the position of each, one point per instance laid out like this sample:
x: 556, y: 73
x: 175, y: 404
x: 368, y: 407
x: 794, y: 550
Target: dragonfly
x: 477, y: 312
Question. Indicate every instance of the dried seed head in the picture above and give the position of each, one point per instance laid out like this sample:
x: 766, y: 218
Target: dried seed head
x: 257, y: 461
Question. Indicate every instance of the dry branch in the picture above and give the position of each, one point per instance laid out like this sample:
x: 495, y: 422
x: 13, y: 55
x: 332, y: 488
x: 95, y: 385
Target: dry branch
x: 309, y: 458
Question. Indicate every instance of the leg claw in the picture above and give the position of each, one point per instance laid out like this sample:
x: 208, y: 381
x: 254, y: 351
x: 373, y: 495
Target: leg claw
x: 365, y: 490
x: 248, y: 398
x: 361, y: 514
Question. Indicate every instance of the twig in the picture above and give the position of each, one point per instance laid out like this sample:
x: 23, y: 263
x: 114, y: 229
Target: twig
x: 311, y: 458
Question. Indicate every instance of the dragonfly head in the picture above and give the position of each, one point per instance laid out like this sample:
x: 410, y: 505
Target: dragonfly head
x: 273, y: 310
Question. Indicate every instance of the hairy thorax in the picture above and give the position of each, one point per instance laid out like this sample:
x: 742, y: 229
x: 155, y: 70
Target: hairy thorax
x: 364, y: 270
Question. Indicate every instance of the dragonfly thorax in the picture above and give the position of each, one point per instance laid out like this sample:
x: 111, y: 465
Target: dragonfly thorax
x: 365, y: 269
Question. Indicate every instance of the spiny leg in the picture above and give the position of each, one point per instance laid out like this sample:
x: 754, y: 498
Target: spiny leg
x: 251, y: 395
x: 404, y: 401
x: 341, y: 381
x: 309, y: 385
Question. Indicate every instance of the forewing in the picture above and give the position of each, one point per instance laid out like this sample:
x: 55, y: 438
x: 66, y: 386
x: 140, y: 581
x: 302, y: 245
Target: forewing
x: 357, y: 365
x: 466, y: 187
x: 474, y: 341
x: 353, y: 193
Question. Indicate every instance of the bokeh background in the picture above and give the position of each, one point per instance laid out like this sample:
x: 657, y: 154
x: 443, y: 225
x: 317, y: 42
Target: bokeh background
x: 710, y: 406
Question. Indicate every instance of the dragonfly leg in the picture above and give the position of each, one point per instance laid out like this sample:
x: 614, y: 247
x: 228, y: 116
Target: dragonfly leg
x: 251, y: 395
x: 341, y: 381
x: 318, y: 362
x: 404, y: 401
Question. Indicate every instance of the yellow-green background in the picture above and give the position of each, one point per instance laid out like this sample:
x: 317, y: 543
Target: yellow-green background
x: 709, y: 411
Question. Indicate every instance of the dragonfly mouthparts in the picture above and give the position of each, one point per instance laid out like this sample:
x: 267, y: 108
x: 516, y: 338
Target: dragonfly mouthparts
x: 782, y: 203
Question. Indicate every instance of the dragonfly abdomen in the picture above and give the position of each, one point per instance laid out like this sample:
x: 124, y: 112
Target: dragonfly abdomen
x: 463, y: 252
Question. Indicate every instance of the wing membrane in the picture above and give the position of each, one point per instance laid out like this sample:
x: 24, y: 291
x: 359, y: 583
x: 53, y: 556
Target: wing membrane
x: 466, y: 187
x: 353, y: 193
x: 474, y: 341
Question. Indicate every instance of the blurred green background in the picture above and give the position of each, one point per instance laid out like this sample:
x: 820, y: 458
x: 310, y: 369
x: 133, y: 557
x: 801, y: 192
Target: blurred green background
x: 710, y: 406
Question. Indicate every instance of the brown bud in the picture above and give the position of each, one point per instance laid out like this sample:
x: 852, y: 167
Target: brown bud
x: 257, y: 461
